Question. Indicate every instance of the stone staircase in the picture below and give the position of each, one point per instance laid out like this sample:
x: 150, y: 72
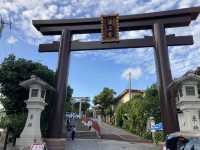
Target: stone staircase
x: 86, y: 135
x: 80, y: 126
x: 82, y: 131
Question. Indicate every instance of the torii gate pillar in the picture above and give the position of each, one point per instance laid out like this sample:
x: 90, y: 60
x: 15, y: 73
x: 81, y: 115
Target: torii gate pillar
x: 61, y: 84
x: 167, y: 101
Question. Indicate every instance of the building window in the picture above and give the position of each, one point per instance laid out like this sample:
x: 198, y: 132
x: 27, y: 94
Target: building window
x: 190, y: 90
x: 34, y: 93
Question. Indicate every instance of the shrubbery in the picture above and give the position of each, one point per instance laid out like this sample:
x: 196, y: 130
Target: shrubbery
x: 159, y: 136
x: 133, y: 115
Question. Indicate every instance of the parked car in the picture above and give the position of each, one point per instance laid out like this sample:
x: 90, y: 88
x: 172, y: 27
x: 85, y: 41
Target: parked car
x: 182, y: 141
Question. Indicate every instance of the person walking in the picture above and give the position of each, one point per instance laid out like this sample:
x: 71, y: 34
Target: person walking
x: 68, y: 129
x: 73, y: 132
x: 89, y: 124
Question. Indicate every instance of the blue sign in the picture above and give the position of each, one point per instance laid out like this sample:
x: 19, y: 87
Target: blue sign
x: 157, y: 127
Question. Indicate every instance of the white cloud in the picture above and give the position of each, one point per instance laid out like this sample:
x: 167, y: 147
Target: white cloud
x: 80, y: 37
x: 135, y: 73
x: 12, y: 40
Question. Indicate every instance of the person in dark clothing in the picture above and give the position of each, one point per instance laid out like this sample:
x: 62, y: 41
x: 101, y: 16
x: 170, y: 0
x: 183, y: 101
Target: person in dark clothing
x: 73, y: 132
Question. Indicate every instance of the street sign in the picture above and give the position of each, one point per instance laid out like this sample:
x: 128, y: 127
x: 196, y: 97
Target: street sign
x: 110, y: 28
x: 157, y: 127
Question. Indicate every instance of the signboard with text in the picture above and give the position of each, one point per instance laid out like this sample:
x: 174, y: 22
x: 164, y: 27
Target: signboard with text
x: 110, y: 28
x: 157, y: 127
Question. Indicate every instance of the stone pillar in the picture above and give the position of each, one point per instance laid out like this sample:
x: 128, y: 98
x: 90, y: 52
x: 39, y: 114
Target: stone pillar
x: 167, y: 100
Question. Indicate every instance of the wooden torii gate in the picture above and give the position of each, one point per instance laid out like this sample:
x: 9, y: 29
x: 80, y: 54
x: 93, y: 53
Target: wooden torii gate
x: 157, y: 22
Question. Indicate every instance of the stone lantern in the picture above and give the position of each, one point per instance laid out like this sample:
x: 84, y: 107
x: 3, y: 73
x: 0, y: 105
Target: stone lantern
x: 35, y: 105
x: 188, y: 102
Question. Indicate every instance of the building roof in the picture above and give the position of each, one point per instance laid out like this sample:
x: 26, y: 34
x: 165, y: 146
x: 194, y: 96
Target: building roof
x: 127, y: 91
x: 190, y: 75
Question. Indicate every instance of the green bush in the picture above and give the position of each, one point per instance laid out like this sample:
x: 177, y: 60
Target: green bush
x: 119, y: 115
x: 133, y: 115
x: 147, y: 135
x: 159, y: 137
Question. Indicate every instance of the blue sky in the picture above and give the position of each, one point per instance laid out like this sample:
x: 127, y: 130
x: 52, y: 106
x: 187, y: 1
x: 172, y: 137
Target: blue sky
x: 91, y: 71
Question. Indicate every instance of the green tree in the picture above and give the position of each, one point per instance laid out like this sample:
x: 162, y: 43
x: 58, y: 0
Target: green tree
x: 121, y: 110
x: 152, y: 103
x: 12, y: 72
x: 68, y: 104
x: 106, y: 99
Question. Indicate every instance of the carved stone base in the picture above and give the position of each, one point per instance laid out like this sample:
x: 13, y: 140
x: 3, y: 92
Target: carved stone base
x: 23, y: 143
x: 55, y: 144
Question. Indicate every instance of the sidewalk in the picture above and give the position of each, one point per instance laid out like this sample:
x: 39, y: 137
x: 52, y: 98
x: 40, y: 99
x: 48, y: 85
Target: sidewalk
x: 114, y: 133
x: 97, y: 144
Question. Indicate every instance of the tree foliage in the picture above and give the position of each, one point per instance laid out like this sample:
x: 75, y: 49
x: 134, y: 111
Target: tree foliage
x: 14, y: 122
x: 68, y: 104
x: 12, y: 72
x: 152, y: 103
x: 105, y: 99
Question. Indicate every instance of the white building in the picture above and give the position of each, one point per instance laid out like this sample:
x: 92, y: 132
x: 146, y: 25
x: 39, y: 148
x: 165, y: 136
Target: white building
x: 188, y: 101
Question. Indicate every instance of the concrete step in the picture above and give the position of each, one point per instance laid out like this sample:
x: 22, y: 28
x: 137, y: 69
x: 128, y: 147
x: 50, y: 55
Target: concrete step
x: 86, y: 135
x: 80, y: 126
x: 82, y: 131
x: 55, y: 144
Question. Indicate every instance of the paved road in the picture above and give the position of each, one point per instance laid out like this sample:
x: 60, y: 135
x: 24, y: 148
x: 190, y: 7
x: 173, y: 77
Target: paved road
x: 112, y: 139
x: 114, y: 133
x: 99, y: 144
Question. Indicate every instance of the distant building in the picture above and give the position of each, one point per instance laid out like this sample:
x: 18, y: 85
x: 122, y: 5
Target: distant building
x: 188, y: 101
x: 125, y: 96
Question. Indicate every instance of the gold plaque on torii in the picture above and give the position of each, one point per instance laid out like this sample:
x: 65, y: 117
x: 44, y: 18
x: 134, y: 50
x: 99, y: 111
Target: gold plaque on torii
x: 110, y: 28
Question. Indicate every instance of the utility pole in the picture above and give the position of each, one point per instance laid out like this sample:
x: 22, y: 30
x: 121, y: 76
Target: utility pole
x: 129, y: 75
x: 80, y: 108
